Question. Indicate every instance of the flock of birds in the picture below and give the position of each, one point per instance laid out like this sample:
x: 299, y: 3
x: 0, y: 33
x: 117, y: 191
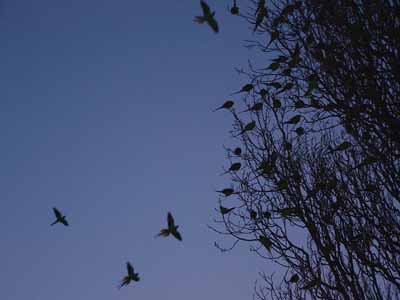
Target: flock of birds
x: 171, y: 229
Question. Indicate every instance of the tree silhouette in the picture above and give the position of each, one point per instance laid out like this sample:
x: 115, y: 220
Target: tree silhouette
x: 318, y: 191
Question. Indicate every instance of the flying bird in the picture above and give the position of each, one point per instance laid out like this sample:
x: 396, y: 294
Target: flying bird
x: 207, y: 17
x: 132, y: 276
x: 172, y: 229
x: 59, y: 218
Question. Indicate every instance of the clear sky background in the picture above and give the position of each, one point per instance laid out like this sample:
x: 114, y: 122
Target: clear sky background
x: 105, y: 113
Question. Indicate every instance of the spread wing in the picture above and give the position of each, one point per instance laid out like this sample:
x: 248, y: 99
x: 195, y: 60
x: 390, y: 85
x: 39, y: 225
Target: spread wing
x: 205, y: 8
x: 176, y: 234
x: 57, y: 213
x: 64, y: 222
x: 124, y: 281
x: 130, y: 269
x: 213, y: 24
x: 171, y: 223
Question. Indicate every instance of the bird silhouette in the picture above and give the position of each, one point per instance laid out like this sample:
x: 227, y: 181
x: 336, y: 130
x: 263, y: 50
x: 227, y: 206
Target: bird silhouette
x: 261, y: 14
x: 343, y: 146
x: 227, y: 105
x: 234, y: 8
x: 227, y: 192
x: 253, y: 214
x: 237, y: 151
x: 300, y: 131
x: 294, y: 120
x: 266, y: 242
x: 59, y: 218
x: 233, y: 168
x: 256, y: 107
x: 245, y: 89
x: 172, y: 229
x: 207, y: 17
x: 260, y: 6
x: 225, y: 210
x: 132, y: 276
x: 294, y: 278
x: 311, y: 284
x: 248, y: 127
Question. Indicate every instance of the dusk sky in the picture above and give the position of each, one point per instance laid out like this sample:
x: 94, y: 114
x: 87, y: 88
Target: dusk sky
x: 106, y: 114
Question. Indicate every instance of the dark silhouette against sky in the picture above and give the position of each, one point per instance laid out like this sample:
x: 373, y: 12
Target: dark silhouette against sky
x: 106, y: 114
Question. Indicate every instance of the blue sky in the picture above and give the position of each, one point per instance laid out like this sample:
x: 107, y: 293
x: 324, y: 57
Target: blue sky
x: 105, y: 113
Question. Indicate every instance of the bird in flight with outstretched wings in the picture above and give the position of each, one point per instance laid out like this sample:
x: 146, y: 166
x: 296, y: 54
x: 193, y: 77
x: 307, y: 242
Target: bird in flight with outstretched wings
x: 59, y: 218
x: 132, y: 276
x: 207, y: 17
x: 172, y: 229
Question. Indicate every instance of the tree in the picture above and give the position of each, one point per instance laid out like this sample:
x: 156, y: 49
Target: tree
x: 323, y: 159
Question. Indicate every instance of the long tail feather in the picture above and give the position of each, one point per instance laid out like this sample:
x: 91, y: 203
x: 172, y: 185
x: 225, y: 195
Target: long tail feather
x: 199, y: 20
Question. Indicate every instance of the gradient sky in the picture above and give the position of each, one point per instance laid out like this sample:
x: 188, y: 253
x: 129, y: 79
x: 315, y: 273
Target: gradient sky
x: 105, y: 113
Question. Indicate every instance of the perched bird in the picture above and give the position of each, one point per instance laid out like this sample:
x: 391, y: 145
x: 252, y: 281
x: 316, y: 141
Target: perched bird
x: 276, y: 103
x: 248, y: 127
x: 208, y: 17
x: 263, y: 93
x: 245, y: 89
x: 261, y: 14
x: 132, y: 276
x: 294, y: 278
x: 227, y: 105
x: 225, y: 210
x: 294, y: 120
x: 314, y: 282
x: 234, y: 8
x: 234, y: 167
x: 289, y: 211
x: 237, y: 151
x: 260, y: 6
x: 343, y: 146
x: 300, y: 131
x: 266, y: 242
x: 266, y: 214
x: 256, y: 107
x: 253, y: 214
x: 299, y: 104
x: 227, y: 192
x: 172, y: 229
x: 59, y: 218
